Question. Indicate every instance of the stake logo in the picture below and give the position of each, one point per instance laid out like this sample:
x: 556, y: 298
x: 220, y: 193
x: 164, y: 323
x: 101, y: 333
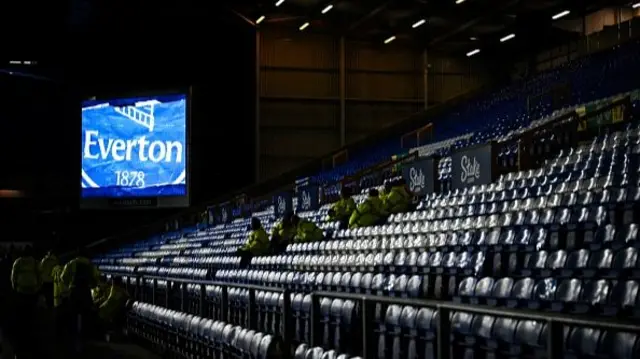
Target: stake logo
x: 282, y: 205
x: 224, y: 215
x: 417, y: 180
x: 134, y: 147
x: 305, y: 198
x: 470, y: 169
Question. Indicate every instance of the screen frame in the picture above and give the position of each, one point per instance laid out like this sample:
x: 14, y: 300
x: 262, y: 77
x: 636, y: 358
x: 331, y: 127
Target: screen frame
x: 102, y: 203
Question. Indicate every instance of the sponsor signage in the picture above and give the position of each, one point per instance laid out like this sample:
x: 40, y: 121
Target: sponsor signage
x: 225, y: 213
x: 282, y: 203
x: 308, y: 199
x: 420, y: 176
x: 473, y: 166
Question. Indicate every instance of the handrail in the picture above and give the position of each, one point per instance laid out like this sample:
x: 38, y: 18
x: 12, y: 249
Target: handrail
x: 624, y: 325
x: 214, y: 283
x: 369, y: 305
x: 575, y: 320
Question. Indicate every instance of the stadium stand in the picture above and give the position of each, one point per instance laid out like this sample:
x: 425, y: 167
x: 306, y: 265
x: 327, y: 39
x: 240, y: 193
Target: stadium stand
x: 509, y: 269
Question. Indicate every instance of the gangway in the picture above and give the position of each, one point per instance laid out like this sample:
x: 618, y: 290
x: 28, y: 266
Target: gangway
x: 141, y: 113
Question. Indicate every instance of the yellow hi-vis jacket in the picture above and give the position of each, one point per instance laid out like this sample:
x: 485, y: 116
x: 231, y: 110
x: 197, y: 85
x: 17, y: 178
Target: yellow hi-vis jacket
x: 368, y: 213
x: 25, y: 276
x: 397, y: 201
x: 285, y: 234
x: 78, y: 271
x: 115, y: 302
x: 343, y: 208
x: 100, y: 293
x: 258, y: 242
x: 46, y: 266
x: 60, y: 290
x: 307, y: 232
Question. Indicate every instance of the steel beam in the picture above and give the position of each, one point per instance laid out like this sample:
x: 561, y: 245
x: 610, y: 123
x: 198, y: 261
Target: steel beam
x: 474, y: 21
x: 343, y: 91
x: 258, y: 151
x: 368, y: 16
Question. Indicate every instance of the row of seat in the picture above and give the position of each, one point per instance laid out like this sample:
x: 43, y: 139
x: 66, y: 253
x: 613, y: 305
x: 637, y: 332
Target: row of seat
x: 413, y: 261
x: 608, y: 235
x: 416, y: 259
x: 197, y: 337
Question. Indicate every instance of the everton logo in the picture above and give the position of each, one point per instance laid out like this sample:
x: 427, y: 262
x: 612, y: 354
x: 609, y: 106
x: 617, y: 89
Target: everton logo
x: 136, y: 149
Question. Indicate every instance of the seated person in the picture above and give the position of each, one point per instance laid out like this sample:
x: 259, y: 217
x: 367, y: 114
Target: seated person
x: 282, y: 233
x: 383, y: 191
x: 341, y: 210
x: 257, y: 243
x: 369, y: 212
x: 397, y: 199
x: 306, y: 231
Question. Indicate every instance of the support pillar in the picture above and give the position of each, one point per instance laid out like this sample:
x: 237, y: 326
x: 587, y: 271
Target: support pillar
x: 257, y: 120
x: 343, y: 91
x: 425, y: 78
x: 584, y: 34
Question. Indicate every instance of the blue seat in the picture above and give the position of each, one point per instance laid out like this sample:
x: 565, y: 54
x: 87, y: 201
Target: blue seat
x: 620, y: 345
x: 595, y: 296
x: 423, y: 338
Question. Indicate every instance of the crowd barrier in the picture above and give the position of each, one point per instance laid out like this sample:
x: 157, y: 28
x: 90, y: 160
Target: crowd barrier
x: 368, y: 307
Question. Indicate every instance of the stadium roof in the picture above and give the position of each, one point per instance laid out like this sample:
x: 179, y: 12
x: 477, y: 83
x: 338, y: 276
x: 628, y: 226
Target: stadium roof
x: 446, y: 25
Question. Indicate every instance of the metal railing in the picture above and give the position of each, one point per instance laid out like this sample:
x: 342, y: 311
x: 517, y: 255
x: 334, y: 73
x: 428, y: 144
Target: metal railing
x: 366, y: 321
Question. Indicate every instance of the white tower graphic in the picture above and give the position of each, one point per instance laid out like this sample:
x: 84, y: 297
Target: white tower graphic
x: 141, y: 113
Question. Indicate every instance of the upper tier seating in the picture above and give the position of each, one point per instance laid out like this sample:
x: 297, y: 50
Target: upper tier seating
x: 493, y: 115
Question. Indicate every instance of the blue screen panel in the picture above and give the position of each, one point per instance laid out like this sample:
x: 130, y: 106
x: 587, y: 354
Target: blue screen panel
x: 134, y: 147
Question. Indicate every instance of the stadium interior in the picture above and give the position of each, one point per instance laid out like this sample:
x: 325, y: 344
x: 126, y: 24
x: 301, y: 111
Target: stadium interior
x: 531, y: 251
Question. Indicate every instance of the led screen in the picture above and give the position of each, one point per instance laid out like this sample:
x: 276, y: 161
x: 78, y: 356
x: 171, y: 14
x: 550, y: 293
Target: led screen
x: 134, y: 147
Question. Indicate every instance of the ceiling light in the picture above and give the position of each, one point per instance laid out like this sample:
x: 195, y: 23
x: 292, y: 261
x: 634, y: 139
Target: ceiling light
x: 389, y: 39
x: 636, y: 5
x: 473, y: 38
x: 561, y: 14
x: 304, y: 26
x: 418, y: 23
x: 279, y: 2
x: 508, y: 37
x: 474, y: 52
x: 459, y: 1
x: 327, y: 9
x: 260, y: 19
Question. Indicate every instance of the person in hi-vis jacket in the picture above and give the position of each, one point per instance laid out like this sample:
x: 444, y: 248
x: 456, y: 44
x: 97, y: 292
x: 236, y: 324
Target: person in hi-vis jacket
x: 257, y: 243
x: 341, y: 211
x: 369, y: 212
